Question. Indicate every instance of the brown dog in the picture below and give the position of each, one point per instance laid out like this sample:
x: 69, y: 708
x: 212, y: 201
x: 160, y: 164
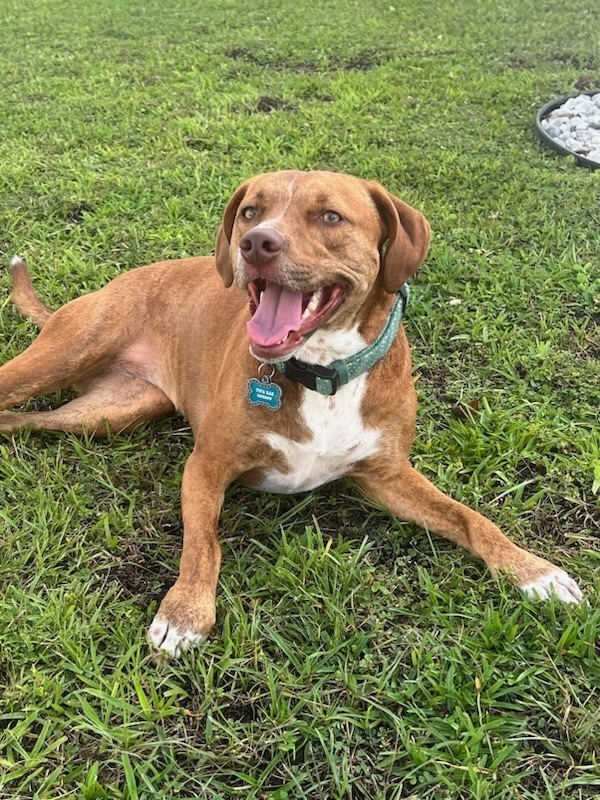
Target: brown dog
x: 319, y: 258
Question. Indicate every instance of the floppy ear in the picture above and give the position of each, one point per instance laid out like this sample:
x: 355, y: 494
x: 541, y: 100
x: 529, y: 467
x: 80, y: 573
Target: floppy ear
x: 222, y: 254
x: 407, y: 234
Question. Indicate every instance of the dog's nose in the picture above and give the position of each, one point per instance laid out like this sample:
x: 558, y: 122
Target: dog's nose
x: 260, y: 246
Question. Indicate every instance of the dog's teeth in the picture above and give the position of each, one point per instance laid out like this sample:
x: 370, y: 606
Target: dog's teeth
x: 306, y: 313
x: 314, y: 300
x: 260, y: 297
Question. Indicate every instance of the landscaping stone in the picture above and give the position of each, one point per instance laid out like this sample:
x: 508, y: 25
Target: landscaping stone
x: 575, y: 125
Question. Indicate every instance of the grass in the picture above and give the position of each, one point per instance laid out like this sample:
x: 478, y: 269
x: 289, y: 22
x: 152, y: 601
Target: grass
x: 354, y: 656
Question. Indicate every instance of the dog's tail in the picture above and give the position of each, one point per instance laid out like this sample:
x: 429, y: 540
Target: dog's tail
x: 24, y: 295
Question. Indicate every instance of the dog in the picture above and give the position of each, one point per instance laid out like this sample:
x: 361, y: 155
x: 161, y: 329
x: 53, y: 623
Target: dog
x: 288, y: 360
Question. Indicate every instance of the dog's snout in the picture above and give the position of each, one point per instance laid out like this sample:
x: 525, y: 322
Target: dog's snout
x: 261, y: 246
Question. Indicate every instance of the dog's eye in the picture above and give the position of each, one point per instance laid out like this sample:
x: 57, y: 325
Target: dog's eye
x: 331, y: 217
x: 249, y: 212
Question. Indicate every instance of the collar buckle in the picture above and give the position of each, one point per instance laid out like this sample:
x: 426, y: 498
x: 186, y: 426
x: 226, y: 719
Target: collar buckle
x: 324, y: 380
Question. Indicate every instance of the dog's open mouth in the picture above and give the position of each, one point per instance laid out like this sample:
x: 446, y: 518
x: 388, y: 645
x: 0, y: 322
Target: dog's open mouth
x: 282, y: 319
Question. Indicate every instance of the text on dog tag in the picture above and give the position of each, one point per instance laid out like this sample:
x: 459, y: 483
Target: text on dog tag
x: 264, y: 393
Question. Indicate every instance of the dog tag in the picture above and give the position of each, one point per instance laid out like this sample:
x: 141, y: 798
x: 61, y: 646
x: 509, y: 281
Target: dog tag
x: 263, y: 392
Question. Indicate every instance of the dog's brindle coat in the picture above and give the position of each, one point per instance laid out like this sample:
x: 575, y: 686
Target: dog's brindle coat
x: 172, y: 336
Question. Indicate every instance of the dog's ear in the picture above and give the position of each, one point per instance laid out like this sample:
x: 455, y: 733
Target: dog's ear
x: 407, y: 234
x: 222, y: 254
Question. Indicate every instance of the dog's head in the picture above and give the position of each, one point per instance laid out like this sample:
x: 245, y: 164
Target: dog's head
x: 309, y: 247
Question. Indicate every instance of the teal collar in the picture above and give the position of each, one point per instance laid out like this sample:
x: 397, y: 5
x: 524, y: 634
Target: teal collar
x: 327, y: 380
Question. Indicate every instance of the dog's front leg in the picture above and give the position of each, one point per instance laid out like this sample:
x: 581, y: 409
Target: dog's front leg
x: 411, y: 497
x: 187, y: 612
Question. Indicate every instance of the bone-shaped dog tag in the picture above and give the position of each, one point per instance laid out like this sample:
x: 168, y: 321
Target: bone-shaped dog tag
x: 263, y: 392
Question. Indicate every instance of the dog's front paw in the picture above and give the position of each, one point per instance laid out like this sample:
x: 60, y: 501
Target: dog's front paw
x: 164, y: 635
x: 182, y: 620
x: 556, y: 582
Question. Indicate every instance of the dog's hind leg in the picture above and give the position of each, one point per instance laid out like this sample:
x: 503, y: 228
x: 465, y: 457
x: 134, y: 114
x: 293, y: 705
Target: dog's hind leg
x: 112, y: 403
x: 79, y: 341
x: 83, y: 344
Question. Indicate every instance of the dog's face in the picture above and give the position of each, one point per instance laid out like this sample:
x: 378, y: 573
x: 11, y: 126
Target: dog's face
x: 309, y: 247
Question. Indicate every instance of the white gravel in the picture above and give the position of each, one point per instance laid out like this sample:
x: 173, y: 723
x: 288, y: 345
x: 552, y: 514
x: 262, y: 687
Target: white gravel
x: 576, y: 125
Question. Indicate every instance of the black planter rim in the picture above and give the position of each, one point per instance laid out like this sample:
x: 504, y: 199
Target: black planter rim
x: 543, y: 113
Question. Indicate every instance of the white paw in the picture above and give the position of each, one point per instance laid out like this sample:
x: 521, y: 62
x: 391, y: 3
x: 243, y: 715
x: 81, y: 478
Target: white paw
x: 162, y: 635
x: 555, y: 582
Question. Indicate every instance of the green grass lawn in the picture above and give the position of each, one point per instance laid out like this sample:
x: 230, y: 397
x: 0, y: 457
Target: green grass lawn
x: 354, y: 656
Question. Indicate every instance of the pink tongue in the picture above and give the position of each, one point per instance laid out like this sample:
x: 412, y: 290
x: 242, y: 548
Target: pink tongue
x: 279, y: 312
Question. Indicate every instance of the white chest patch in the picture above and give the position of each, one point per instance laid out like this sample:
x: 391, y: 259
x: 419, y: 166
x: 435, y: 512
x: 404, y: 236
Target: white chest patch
x: 338, y: 440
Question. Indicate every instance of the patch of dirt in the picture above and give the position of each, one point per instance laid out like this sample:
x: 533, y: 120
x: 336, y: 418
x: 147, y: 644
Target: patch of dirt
x: 244, y: 709
x: 138, y: 574
x: 311, y: 94
x: 556, y: 771
x: 75, y: 214
x: 434, y: 375
x: 520, y: 61
x: 195, y: 143
x: 266, y: 104
x: 362, y: 62
x: 577, y: 61
x: 242, y: 54
x: 588, y: 83
x: 435, y: 378
x: 118, y: 34
x: 557, y: 517
x: 525, y: 60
